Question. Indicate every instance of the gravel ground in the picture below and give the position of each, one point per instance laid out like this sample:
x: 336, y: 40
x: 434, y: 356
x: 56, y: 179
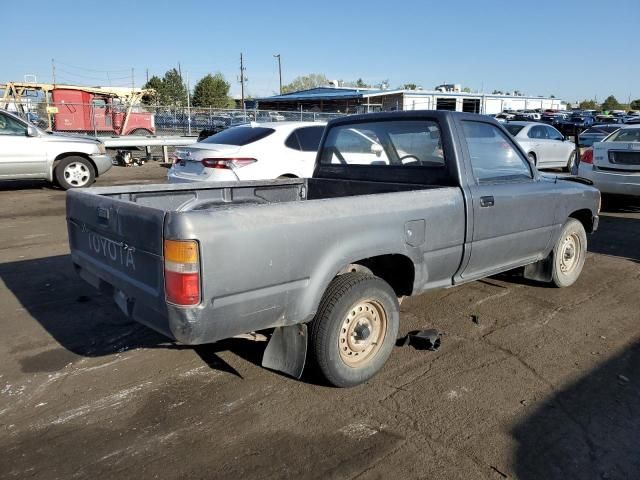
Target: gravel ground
x: 545, y: 385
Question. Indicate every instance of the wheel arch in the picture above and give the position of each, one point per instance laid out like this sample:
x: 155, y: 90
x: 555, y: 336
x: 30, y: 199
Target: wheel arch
x: 64, y: 155
x: 397, y: 269
x: 584, y: 216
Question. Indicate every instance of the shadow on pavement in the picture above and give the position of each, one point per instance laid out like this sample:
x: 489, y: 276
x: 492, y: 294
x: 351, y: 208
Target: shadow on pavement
x: 89, y: 324
x: 16, y: 185
x: 617, y: 236
x: 590, y: 430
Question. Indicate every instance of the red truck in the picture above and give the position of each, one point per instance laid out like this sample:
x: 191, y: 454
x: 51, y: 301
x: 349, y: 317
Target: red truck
x: 86, y: 111
x: 77, y: 108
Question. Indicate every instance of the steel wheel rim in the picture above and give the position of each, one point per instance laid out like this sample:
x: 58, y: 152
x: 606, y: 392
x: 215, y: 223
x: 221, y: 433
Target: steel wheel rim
x: 570, y: 253
x: 76, y: 174
x: 362, y: 332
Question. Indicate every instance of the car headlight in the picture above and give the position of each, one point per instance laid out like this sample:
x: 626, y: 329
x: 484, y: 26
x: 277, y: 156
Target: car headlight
x: 101, y: 148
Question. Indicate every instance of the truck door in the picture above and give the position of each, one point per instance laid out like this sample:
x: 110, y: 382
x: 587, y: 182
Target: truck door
x: 513, y: 211
x: 99, y: 114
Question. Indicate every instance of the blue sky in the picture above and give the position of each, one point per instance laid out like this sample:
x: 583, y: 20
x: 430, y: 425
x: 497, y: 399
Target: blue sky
x: 572, y: 49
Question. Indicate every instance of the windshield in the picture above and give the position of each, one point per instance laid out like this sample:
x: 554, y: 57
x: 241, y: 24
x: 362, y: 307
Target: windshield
x: 514, y: 129
x: 624, y: 135
x: 239, y: 136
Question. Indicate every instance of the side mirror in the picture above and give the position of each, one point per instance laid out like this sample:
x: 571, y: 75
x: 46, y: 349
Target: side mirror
x: 31, y: 132
x: 377, y: 149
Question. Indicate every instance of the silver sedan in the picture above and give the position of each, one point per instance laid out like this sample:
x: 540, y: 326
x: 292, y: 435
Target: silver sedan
x: 545, y: 146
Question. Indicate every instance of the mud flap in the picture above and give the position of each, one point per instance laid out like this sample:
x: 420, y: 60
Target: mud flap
x: 287, y: 350
x: 540, y: 271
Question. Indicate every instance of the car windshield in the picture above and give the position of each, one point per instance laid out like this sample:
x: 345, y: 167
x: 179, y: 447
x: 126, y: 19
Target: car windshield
x: 239, y: 136
x: 625, y: 135
x: 514, y: 129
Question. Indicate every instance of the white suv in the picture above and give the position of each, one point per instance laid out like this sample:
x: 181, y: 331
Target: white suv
x: 70, y: 161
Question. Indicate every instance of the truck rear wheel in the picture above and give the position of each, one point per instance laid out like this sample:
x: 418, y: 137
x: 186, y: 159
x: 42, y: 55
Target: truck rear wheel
x: 569, y: 254
x: 74, y: 172
x: 355, y: 328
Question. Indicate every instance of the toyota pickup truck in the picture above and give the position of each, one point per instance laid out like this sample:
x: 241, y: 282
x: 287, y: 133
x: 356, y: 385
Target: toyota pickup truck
x: 399, y: 203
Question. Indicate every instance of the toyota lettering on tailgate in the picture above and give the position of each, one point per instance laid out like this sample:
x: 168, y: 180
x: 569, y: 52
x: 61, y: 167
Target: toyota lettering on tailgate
x: 115, y: 251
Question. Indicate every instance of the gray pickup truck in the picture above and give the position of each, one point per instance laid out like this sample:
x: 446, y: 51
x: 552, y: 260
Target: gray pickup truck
x: 399, y: 203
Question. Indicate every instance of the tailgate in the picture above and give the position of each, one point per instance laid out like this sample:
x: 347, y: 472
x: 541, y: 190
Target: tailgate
x: 117, y: 246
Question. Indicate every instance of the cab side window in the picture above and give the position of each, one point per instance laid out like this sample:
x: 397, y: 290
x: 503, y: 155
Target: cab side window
x: 11, y: 126
x: 493, y: 157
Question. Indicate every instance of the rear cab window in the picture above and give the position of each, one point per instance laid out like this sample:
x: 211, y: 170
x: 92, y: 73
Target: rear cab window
x: 406, y: 143
x: 239, y: 136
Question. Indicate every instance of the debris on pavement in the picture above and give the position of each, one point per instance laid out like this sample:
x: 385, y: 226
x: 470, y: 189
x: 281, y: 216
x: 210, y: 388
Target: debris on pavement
x: 422, y: 339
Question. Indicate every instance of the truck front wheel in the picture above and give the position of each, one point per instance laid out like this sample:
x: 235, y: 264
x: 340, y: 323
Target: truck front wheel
x: 569, y: 253
x: 355, y: 328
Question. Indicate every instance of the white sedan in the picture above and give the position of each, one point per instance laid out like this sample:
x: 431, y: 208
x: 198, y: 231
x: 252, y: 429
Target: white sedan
x: 256, y: 151
x: 613, y: 165
x: 545, y: 146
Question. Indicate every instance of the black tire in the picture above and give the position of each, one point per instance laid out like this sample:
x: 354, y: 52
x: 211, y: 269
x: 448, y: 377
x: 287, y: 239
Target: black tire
x: 569, y: 254
x: 532, y: 158
x: 141, y: 131
x: 74, y: 172
x: 365, y: 304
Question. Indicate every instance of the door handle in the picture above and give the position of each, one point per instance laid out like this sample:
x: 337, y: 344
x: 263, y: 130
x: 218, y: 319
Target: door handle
x: 487, y: 201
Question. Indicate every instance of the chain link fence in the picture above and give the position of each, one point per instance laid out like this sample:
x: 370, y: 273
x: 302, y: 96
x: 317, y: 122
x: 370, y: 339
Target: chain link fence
x: 103, y: 118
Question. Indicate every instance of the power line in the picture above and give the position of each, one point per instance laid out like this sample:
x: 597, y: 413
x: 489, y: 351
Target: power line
x: 92, y: 69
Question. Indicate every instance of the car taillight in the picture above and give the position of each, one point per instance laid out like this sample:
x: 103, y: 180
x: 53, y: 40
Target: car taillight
x: 227, y: 163
x: 182, y: 272
x: 587, y: 156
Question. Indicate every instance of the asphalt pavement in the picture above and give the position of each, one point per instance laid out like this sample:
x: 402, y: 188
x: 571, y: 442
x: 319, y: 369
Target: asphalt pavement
x: 530, y: 382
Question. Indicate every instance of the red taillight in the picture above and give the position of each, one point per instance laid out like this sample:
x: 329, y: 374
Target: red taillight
x: 182, y: 272
x: 587, y: 156
x: 227, y: 163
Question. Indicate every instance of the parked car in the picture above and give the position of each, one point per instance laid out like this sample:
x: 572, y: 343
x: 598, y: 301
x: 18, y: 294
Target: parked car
x: 256, y: 151
x: 322, y: 261
x: 27, y: 152
x: 596, y: 133
x: 545, y: 146
x: 267, y: 116
x: 613, y: 164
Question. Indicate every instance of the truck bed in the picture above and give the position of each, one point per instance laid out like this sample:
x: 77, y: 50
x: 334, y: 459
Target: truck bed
x: 266, y: 255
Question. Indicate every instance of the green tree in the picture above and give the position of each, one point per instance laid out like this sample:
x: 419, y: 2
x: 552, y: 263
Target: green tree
x: 610, y: 103
x: 173, y: 91
x: 497, y: 92
x: 305, y: 82
x: 362, y: 84
x: 409, y: 86
x: 211, y: 91
x: 635, y: 104
x: 588, y: 105
x: 155, y: 84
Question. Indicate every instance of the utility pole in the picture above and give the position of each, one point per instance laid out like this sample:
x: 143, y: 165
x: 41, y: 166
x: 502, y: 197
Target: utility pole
x: 147, y: 75
x: 133, y: 82
x: 53, y: 70
x: 279, y: 70
x: 188, y: 104
x: 242, y: 80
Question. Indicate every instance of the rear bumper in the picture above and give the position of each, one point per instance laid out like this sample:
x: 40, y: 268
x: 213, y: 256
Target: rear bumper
x: 220, y: 176
x: 611, y: 182
x: 103, y: 163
